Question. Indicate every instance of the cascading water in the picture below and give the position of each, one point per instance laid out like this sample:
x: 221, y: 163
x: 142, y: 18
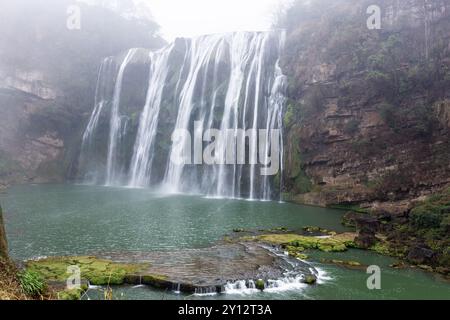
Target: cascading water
x: 88, y: 164
x: 141, y: 163
x: 117, y: 125
x: 229, y: 82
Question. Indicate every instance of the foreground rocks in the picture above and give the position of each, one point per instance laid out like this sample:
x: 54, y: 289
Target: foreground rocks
x: 206, y: 270
x: 419, y: 235
x: 421, y: 255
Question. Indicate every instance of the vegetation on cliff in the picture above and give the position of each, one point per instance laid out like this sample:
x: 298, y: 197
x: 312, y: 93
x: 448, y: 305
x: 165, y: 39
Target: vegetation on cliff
x: 421, y: 236
x: 367, y: 120
x: 48, y: 76
x: 367, y: 113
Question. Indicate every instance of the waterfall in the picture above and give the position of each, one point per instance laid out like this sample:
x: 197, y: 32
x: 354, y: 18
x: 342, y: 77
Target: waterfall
x: 116, y: 124
x: 141, y: 163
x: 231, y: 83
x: 102, y: 98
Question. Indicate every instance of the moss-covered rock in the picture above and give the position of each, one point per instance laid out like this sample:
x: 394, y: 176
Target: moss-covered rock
x: 318, y: 230
x: 309, y: 279
x: 260, y: 284
x: 297, y: 243
x: 74, y: 294
x: 96, y: 271
x: 344, y: 263
x: 157, y: 281
x: 296, y: 252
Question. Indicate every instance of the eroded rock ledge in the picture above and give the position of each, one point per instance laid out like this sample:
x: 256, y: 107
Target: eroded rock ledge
x: 189, y: 271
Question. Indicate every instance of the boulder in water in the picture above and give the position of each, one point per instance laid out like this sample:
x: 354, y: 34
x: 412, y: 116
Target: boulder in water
x: 260, y: 284
x: 310, y: 279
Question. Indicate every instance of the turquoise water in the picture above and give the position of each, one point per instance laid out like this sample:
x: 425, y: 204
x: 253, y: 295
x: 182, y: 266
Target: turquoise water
x: 48, y: 220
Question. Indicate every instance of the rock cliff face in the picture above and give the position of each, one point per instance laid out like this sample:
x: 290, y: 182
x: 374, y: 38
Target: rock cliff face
x: 48, y: 75
x: 30, y: 145
x: 368, y: 117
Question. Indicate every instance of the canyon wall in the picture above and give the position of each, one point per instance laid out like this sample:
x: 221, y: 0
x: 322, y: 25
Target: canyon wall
x: 367, y: 122
x: 48, y: 75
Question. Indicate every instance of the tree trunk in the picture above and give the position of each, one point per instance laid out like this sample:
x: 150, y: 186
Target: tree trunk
x: 3, y: 243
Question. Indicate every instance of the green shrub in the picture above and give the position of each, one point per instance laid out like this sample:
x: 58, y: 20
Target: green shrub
x: 424, y: 219
x: 445, y: 223
x: 289, y: 115
x: 432, y: 213
x: 302, y: 183
x: 32, y: 283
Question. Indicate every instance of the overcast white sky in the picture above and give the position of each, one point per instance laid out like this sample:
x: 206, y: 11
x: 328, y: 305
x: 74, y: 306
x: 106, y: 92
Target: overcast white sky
x: 188, y: 18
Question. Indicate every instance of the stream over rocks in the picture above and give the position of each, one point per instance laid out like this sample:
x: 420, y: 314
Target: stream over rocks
x: 218, y: 269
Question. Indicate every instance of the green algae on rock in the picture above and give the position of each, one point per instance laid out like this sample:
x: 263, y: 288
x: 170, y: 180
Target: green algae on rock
x: 310, y: 279
x: 296, y: 252
x: 335, y: 243
x: 260, y: 284
x: 72, y: 294
x: 96, y: 271
x: 345, y: 263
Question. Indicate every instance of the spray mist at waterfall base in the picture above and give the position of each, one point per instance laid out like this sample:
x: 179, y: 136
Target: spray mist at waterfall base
x: 230, y: 82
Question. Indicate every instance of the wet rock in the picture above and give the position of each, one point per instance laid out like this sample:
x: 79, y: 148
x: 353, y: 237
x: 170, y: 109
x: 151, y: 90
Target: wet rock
x: 260, y: 284
x: 365, y: 241
x: 297, y: 243
x: 443, y: 270
x: 209, y: 270
x: 421, y: 255
x: 349, y: 219
x: 425, y: 268
x: 312, y: 230
x: 367, y: 226
x: 310, y: 279
x: 399, y: 265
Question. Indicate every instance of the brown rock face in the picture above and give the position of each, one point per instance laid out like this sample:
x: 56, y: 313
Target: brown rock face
x: 31, y: 138
x: 362, y: 127
x: 367, y: 228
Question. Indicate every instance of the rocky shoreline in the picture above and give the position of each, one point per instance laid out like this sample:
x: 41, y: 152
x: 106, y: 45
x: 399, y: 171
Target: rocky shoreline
x: 419, y: 235
x: 417, y: 231
x: 253, y: 259
x: 196, y: 271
